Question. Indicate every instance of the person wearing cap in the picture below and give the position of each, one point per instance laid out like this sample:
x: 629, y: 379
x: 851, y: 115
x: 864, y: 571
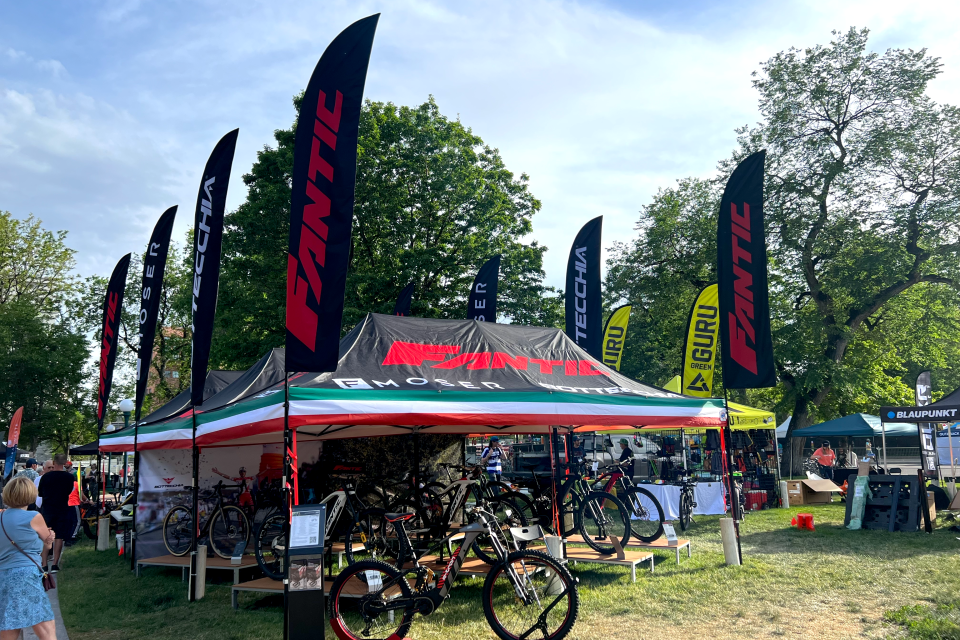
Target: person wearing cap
x: 826, y: 458
x: 30, y: 471
x: 491, y: 458
x: 626, y: 454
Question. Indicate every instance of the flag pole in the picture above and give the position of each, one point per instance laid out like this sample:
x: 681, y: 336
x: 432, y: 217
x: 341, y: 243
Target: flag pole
x: 726, y: 439
x: 195, y: 489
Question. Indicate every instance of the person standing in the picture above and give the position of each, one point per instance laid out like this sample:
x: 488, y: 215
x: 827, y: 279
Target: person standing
x: 55, y: 488
x: 826, y: 458
x: 23, y: 535
x: 73, y: 505
x: 30, y: 471
x: 492, y: 457
x: 626, y: 454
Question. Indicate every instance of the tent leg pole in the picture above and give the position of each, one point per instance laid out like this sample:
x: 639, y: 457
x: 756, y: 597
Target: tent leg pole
x: 883, y: 437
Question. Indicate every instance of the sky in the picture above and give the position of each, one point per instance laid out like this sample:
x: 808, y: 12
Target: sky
x: 108, y: 110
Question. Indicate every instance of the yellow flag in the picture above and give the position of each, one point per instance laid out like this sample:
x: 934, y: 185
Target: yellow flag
x: 614, y: 335
x: 673, y: 385
x: 700, y: 344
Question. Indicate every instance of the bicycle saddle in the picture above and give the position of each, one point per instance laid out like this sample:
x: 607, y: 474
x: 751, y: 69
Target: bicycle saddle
x: 530, y: 465
x: 398, y: 517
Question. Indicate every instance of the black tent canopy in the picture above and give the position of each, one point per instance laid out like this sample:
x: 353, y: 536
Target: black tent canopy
x: 946, y: 409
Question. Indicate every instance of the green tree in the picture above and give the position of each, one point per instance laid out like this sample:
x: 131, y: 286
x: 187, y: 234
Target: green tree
x: 863, y: 226
x: 36, y: 266
x: 433, y: 202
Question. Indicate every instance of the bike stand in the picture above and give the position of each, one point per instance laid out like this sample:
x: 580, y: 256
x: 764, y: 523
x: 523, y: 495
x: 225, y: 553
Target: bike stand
x: 617, y: 548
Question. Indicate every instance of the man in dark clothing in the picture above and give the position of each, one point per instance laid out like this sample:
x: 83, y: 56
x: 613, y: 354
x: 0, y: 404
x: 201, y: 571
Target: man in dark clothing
x: 626, y: 454
x: 55, y: 488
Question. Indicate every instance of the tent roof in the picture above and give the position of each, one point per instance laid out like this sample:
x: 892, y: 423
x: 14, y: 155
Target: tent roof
x: 742, y: 418
x: 946, y: 409
x: 89, y: 449
x: 858, y: 425
x: 216, y: 381
x: 397, y: 375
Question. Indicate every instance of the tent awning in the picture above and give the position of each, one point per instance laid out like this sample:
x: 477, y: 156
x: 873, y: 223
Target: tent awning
x: 397, y: 375
x: 858, y: 425
x: 946, y: 409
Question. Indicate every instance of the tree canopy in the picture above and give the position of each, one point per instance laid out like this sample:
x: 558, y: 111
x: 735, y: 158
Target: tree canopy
x: 433, y: 202
x: 863, y: 230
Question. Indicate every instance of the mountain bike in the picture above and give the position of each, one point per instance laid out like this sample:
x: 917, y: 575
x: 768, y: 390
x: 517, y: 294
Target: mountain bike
x: 595, y: 515
x: 526, y: 594
x: 687, y: 503
x: 271, y: 539
x: 645, y: 511
x: 227, y: 527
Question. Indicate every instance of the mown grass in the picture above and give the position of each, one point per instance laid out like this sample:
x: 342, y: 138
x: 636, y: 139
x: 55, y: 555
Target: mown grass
x: 830, y: 582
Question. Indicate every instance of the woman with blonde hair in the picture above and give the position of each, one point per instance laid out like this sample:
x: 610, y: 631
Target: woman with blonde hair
x: 23, y: 535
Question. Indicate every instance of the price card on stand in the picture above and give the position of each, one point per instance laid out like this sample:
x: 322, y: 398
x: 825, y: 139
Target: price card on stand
x: 671, y: 534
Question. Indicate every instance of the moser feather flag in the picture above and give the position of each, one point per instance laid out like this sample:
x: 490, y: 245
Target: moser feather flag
x: 745, y: 341
x: 700, y: 344
x: 321, y: 205
x: 154, y: 265
x: 584, y: 312
x: 482, y: 304
x: 109, y: 334
x: 13, y: 439
x: 614, y: 335
x: 207, y: 241
x: 404, y: 300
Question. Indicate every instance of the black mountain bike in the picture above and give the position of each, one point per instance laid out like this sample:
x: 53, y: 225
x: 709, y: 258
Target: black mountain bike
x: 646, y: 512
x: 687, y: 504
x: 227, y: 527
x: 526, y: 594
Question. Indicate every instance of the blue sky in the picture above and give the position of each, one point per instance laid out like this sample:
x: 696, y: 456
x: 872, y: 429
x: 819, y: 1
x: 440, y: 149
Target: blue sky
x: 108, y: 110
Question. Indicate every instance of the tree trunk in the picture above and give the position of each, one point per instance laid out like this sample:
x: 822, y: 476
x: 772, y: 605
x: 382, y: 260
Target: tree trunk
x: 793, y: 451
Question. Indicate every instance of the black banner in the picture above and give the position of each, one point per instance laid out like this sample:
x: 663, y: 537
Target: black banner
x: 154, y: 264
x: 321, y: 206
x: 482, y: 305
x: 745, y: 341
x: 207, y: 240
x: 927, y: 430
x: 112, y: 308
x: 402, y: 308
x: 584, y: 312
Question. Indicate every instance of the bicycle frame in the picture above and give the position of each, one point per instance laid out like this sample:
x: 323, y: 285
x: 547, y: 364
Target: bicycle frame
x: 458, y: 500
x: 342, y: 497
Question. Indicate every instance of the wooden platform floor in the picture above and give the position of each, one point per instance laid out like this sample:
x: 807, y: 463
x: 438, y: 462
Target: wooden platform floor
x: 660, y: 544
x: 631, y: 559
x: 215, y: 563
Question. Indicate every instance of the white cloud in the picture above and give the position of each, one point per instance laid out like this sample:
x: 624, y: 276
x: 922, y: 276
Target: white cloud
x: 599, y: 106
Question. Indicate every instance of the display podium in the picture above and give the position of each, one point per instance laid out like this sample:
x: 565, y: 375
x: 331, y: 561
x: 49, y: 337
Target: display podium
x: 304, y: 610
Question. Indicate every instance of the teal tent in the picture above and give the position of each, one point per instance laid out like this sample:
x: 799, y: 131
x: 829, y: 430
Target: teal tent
x: 858, y: 425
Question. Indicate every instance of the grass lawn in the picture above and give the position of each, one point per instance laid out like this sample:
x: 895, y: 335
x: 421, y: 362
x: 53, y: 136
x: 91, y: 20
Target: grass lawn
x: 826, y: 583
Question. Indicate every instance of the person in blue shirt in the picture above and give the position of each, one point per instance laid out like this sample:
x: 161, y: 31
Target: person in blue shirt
x: 23, y: 535
x: 492, y: 457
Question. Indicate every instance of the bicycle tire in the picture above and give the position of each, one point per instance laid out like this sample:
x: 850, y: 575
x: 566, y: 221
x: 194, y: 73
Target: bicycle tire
x: 178, y: 531
x: 270, y: 546
x: 498, y: 595
x: 612, y: 519
x: 527, y: 508
x: 686, y: 510
x: 373, y: 538
x: 638, y: 503
x: 235, y: 528
x: 346, y: 611
x: 499, y: 506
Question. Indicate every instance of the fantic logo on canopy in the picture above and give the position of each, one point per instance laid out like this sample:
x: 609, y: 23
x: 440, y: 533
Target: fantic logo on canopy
x: 301, y: 319
x: 414, y: 354
x: 741, y: 322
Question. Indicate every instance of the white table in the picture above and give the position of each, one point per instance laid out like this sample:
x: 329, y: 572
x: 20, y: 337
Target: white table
x: 707, y: 495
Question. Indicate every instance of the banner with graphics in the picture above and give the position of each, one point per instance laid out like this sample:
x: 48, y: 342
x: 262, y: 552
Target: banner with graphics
x: 404, y: 300
x: 321, y: 205
x: 482, y: 304
x: 700, y: 344
x: 745, y: 340
x: 584, y: 312
x: 207, y: 241
x: 13, y: 439
x: 154, y: 265
x: 614, y: 335
x: 928, y: 443
x: 109, y: 335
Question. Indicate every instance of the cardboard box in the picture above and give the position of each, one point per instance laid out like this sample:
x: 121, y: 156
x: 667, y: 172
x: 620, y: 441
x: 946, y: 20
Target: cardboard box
x: 863, y: 468
x: 932, y: 505
x: 803, y: 492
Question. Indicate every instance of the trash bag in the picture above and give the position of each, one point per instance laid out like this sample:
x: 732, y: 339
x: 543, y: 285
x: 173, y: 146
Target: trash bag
x: 861, y: 491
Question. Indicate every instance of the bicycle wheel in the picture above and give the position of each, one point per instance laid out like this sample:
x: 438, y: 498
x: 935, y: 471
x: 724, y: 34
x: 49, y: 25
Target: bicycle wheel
x: 373, y: 538
x: 526, y: 505
x: 371, y: 497
x: 686, y: 510
x: 359, y: 598
x: 178, y: 531
x: 228, y: 527
x: 271, y: 545
x: 508, y: 514
x: 602, y: 516
x: 646, y: 514
x: 550, y: 604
